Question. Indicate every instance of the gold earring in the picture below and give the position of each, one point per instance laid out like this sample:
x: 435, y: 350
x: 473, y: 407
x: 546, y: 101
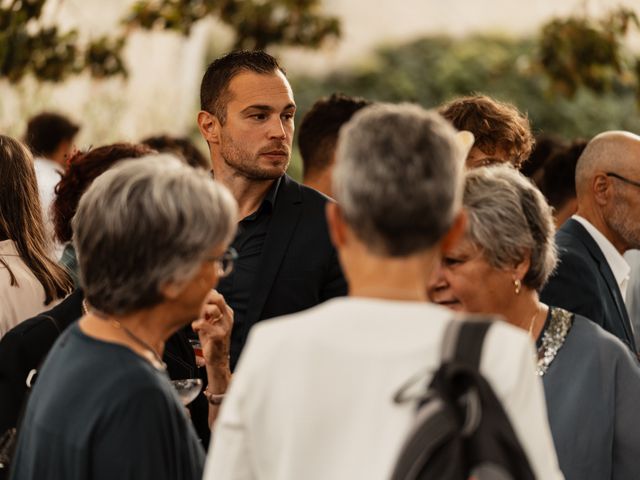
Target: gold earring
x: 517, y: 285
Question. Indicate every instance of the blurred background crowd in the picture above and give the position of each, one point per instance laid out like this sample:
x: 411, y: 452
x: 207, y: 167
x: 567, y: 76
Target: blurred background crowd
x: 109, y: 214
x: 113, y: 66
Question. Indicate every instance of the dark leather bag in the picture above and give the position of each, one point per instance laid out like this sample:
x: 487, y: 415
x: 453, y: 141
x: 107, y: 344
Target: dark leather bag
x: 461, y: 430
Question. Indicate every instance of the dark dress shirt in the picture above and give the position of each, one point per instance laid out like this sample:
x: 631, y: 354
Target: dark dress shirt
x: 249, y: 240
x: 286, y: 262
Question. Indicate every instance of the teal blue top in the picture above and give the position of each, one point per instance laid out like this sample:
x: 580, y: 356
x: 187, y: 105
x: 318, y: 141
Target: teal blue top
x: 69, y: 262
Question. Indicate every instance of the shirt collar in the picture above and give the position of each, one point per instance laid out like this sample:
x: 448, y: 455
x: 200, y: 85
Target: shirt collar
x: 268, y: 202
x: 270, y: 198
x: 48, y: 164
x: 617, y: 263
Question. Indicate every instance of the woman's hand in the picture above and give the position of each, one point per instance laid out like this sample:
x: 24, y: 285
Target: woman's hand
x: 214, y: 330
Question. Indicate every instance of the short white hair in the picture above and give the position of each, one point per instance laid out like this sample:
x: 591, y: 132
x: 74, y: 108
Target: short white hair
x: 397, y: 177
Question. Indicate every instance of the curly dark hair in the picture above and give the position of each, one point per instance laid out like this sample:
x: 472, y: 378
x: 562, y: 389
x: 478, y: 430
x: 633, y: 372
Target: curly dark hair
x: 84, y: 168
x: 495, y: 125
x: 180, y: 146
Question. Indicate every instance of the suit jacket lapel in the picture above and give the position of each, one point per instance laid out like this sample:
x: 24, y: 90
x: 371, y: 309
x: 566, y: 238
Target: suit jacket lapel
x: 577, y: 230
x: 284, y: 219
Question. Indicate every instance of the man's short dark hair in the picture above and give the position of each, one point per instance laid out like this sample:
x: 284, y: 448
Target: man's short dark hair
x: 47, y: 130
x: 545, y: 145
x: 214, y: 89
x: 558, y: 182
x: 318, y: 132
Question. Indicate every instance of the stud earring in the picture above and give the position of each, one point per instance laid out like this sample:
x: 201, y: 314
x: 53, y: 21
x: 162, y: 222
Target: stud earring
x: 517, y: 285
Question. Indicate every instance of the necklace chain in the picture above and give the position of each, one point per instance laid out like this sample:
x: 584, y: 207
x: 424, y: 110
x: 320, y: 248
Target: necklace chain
x: 533, y: 319
x: 150, y: 353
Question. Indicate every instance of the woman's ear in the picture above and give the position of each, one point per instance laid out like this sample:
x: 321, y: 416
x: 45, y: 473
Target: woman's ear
x: 171, y: 290
x: 521, y: 268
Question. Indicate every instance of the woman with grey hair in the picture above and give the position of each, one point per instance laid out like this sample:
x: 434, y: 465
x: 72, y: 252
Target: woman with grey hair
x: 312, y: 397
x: 591, y: 381
x: 151, y: 237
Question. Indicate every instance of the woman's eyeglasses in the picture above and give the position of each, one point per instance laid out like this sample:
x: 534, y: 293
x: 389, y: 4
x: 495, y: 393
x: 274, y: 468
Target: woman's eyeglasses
x: 225, y: 262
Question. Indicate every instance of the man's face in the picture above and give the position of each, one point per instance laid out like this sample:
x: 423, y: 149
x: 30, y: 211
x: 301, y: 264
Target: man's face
x: 621, y: 213
x: 477, y: 158
x: 256, y: 139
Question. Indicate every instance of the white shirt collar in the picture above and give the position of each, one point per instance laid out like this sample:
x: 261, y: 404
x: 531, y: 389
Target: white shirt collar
x: 617, y: 263
x: 47, y: 165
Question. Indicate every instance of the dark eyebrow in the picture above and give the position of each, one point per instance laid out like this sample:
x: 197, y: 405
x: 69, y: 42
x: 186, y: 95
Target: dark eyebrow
x: 266, y: 108
x: 262, y: 108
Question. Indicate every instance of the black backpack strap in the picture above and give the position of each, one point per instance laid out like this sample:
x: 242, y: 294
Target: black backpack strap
x: 461, y: 426
x: 463, y: 340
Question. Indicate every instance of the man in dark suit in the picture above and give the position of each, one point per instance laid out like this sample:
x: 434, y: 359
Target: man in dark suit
x: 592, y: 276
x: 286, y: 262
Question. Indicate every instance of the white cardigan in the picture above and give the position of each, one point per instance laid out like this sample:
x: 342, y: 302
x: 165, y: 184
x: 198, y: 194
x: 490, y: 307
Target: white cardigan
x: 312, y: 395
x: 21, y: 301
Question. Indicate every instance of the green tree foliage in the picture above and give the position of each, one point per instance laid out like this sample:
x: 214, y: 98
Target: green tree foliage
x: 582, y: 51
x: 257, y: 23
x: 27, y: 47
x: 433, y: 70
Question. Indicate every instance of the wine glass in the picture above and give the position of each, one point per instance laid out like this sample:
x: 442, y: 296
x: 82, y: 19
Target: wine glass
x: 197, y: 350
x: 187, y: 388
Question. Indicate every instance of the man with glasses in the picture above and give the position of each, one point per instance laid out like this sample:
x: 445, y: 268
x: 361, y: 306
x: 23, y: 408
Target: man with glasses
x: 593, y: 276
x: 286, y: 262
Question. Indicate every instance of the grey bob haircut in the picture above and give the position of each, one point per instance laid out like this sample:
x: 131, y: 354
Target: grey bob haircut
x: 397, y: 177
x: 143, y: 224
x: 509, y: 218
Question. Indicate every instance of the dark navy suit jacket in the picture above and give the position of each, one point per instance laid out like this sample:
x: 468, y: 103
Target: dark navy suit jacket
x: 584, y: 284
x: 299, y: 266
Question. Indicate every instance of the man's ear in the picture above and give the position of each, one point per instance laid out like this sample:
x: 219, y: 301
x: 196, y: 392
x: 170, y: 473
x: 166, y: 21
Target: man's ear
x: 209, y: 126
x: 601, y: 189
x: 455, y: 233
x: 337, y: 227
